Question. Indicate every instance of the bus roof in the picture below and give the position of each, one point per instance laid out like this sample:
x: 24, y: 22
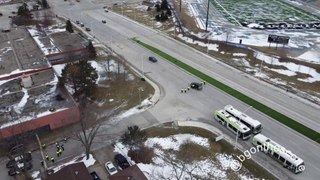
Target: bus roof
x: 237, y: 124
x: 244, y: 117
x: 287, y: 154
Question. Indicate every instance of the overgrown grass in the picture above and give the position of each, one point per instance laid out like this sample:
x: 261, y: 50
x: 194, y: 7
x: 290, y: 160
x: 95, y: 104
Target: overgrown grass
x: 193, y: 152
x: 257, y: 105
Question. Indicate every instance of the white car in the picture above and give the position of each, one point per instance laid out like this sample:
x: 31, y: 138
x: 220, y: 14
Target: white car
x: 111, y: 168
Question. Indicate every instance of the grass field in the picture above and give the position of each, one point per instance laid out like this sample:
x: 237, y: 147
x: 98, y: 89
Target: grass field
x: 259, y: 11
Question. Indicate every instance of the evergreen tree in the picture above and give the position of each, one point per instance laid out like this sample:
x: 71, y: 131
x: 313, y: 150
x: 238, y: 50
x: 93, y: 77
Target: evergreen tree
x: 45, y: 4
x: 133, y: 136
x: 69, y: 26
x: 164, y: 5
x: 81, y: 76
x: 91, y: 49
x: 23, y: 10
x: 169, y: 12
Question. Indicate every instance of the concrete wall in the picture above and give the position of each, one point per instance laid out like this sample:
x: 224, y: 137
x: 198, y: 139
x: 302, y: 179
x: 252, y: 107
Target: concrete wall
x: 55, y: 120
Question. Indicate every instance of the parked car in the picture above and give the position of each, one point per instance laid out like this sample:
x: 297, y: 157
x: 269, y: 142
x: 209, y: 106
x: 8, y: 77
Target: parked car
x: 77, y: 22
x: 11, y: 163
x: 12, y: 172
x: 121, y: 161
x: 195, y: 85
x: 152, y: 59
x: 81, y: 24
x: 106, y: 10
x: 88, y: 29
x: 104, y: 21
x: 110, y: 168
x: 95, y: 176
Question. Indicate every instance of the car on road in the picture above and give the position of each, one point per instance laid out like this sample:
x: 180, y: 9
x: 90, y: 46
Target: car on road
x: 95, y: 176
x: 195, y: 85
x: 110, y: 168
x: 152, y: 59
x: 121, y: 161
x: 81, y: 24
x: 77, y: 22
x: 106, y: 10
x: 104, y: 21
x: 88, y: 29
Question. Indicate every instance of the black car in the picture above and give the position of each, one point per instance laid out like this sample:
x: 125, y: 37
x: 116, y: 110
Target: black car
x: 152, y: 59
x: 95, y: 176
x: 121, y: 161
x: 104, y: 21
x: 11, y: 163
x: 77, y: 22
x: 12, y: 172
x: 88, y: 29
x: 195, y: 85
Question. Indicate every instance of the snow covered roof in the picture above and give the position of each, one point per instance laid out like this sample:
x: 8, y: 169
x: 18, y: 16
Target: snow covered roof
x: 24, y: 104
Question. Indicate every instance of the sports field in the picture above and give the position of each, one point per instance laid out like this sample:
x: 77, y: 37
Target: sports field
x: 260, y: 11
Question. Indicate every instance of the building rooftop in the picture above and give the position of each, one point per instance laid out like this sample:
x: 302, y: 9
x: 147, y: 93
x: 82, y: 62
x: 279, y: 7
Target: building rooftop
x: 19, y: 52
x: 66, y: 41
x: 19, y: 104
x: 76, y: 171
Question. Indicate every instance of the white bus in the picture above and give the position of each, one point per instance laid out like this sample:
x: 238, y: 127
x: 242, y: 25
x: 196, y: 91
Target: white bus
x: 232, y: 124
x: 253, y: 124
x: 278, y: 152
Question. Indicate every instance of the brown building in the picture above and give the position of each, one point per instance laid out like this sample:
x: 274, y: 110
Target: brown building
x: 76, y: 171
x: 131, y: 173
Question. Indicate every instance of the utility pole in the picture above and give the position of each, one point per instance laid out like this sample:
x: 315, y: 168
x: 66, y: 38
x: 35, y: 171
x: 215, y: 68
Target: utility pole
x: 180, y: 7
x: 207, y: 16
x: 41, y: 151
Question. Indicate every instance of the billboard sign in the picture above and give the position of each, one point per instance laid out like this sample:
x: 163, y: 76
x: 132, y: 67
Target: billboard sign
x: 278, y: 39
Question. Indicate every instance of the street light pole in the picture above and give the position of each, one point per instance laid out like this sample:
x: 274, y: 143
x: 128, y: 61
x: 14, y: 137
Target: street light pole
x: 207, y: 16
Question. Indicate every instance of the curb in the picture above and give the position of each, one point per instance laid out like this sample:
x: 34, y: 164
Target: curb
x: 156, y: 96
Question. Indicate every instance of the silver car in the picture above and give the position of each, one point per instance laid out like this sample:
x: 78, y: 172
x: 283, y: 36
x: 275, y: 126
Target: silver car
x: 111, y: 168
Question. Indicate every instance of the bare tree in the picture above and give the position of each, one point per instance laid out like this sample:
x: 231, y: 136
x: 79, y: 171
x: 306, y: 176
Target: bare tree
x: 89, y: 128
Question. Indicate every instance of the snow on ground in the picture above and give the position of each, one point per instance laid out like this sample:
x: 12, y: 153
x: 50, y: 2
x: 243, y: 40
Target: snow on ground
x: 222, y: 31
x: 87, y: 162
x: 239, y: 54
x: 135, y: 110
x: 213, y: 47
x: 174, y: 142
x: 292, y: 68
x: 310, y: 56
x: 161, y: 168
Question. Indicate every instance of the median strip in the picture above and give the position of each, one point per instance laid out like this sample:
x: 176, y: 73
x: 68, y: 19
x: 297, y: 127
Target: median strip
x: 310, y: 133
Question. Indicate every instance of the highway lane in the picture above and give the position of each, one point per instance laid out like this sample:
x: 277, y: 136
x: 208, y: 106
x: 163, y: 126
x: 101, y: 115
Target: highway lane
x: 196, y: 105
x: 292, y: 106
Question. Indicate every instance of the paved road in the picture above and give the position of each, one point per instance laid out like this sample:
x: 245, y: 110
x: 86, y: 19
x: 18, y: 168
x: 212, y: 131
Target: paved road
x: 196, y: 105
